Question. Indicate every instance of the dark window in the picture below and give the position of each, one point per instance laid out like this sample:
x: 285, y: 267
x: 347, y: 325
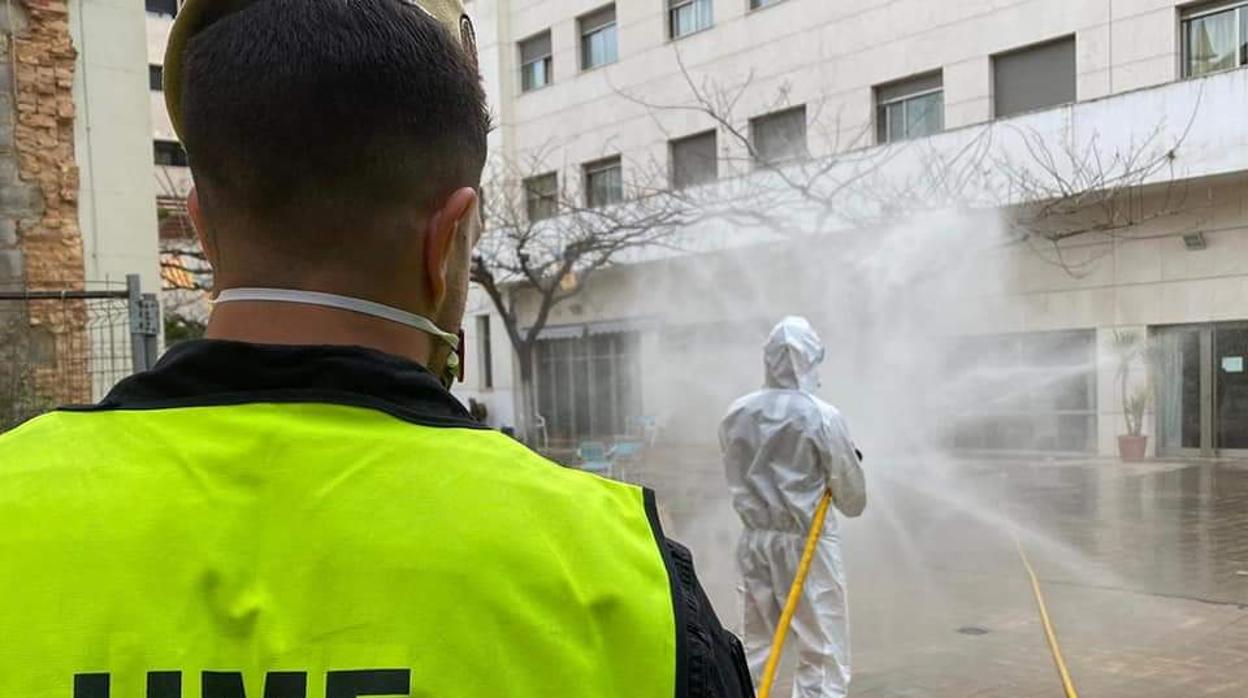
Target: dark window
x: 156, y: 77
x: 536, y: 66
x: 910, y: 108
x: 1033, y: 78
x: 756, y: 4
x: 170, y: 154
x: 487, y: 351
x: 694, y: 160
x: 685, y: 17
x: 167, y: 8
x: 588, y: 385
x: 1215, y: 38
x: 599, y: 38
x: 604, y: 183
x: 780, y: 136
x: 541, y: 196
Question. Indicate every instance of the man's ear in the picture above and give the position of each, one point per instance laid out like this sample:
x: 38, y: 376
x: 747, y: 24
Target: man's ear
x: 197, y: 216
x: 201, y: 231
x: 444, y: 226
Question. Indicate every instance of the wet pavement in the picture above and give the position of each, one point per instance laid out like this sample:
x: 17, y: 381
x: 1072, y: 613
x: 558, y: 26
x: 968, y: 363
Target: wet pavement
x: 1144, y: 569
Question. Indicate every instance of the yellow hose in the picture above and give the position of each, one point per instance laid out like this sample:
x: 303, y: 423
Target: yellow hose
x: 1067, y: 685
x: 795, y: 593
x: 803, y: 569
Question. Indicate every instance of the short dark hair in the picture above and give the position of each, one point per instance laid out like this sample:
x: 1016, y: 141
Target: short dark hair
x: 335, y: 108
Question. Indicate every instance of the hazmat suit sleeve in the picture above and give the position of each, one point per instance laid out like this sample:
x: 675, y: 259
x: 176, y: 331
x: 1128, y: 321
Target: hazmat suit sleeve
x: 842, y: 467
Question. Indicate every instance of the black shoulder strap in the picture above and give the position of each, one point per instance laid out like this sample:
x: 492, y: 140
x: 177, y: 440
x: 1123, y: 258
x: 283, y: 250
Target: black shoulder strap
x: 716, y: 660
x: 710, y: 661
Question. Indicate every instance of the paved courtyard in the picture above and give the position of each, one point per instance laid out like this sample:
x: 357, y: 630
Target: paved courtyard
x: 1144, y: 568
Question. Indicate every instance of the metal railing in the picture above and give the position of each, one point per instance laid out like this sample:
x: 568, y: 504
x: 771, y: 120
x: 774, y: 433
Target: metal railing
x: 71, y: 346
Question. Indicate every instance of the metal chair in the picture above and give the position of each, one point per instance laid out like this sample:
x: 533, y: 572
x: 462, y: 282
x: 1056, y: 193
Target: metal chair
x: 646, y: 428
x: 539, y: 422
x: 625, y: 454
x: 595, y: 458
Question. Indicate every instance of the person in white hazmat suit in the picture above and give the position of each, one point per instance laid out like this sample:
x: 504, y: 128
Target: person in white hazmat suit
x: 782, y: 447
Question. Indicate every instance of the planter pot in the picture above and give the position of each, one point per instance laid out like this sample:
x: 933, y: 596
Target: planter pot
x: 1131, y: 448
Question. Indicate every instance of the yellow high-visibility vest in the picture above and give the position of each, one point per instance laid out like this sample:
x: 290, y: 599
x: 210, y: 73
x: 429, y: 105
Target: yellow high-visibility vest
x: 288, y: 547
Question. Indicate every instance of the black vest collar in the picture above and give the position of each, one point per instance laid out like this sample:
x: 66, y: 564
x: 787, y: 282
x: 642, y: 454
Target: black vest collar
x: 215, y: 372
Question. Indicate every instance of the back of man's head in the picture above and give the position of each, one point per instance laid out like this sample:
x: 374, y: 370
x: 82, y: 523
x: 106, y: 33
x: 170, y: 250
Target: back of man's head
x: 317, y: 126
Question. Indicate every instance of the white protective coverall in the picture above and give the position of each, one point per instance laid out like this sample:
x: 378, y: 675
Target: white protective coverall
x: 782, y: 447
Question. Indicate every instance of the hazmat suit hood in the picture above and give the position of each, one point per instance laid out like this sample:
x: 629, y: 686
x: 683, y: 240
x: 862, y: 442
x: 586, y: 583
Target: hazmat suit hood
x: 792, y: 356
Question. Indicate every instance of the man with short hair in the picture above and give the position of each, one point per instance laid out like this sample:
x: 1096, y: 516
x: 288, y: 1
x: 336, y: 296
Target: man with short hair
x: 296, y: 506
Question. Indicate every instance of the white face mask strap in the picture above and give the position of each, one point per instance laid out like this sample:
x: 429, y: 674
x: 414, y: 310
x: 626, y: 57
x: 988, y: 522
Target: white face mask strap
x: 329, y: 300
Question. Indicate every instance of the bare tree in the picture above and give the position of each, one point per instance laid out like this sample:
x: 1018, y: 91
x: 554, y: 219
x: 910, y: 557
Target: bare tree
x: 186, y: 276
x: 819, y: 190
x: 546, y: 241
x: 1052, y: 190
x: 1075, y: 190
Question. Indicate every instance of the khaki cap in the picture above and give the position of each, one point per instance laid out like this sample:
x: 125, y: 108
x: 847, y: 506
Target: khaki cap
x: 197, y: 15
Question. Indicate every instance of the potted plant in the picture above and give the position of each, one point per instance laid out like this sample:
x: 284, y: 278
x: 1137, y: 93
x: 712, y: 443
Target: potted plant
x: 1133, y: 444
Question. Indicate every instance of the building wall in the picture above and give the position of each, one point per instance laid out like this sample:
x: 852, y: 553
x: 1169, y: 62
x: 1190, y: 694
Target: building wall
x: 158, y: 28
x: 828, y: 55
x: 43, y: 139
x: 70, y: 216
x: 885, y: 301
x: 500, y: 398
x: 170, y: 181
x: 885, y: 312
x: 113, y: 141
x: 41, y: 194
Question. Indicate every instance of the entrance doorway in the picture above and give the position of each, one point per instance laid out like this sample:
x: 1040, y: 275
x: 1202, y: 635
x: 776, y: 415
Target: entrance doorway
x: 1201, y: 377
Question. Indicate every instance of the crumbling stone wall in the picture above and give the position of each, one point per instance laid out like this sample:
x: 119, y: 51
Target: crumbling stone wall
x: 40, y: 242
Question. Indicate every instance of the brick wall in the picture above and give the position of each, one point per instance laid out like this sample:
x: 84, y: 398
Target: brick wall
x: 40, y: 243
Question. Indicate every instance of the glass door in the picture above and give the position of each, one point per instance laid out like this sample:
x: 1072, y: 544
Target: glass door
x: 1200, y: 375
x: 1231, y: 388
x: 1180, y: 384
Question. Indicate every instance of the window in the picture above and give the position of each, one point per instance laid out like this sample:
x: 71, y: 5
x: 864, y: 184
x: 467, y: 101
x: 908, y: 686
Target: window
x: 780, y: 136
x: 599, y: 38
x: 165, y: 8
x: 156, y: 76
x: 486, y: 350
x: 688, y: 16
x: 757, y: 4
x: 170, y: 154
x: 1215, y: 38
x: 604, y: 183
x: 588, y: 384
x: 541, y: 196
x: 694, y: 160
x: 536, y: 67
x: 1036, y: 77
x: 910, y: 108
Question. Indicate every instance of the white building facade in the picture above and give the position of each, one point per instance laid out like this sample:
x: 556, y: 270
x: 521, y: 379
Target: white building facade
x: 173, y: 177
x: 115, y: 213
x: 184, y: 273
x: 1126, y: 112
